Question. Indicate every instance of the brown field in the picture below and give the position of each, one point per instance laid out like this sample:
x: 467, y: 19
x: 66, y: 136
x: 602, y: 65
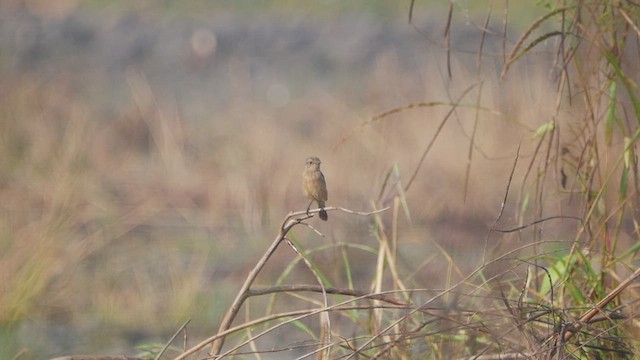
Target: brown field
x: 149, y: 154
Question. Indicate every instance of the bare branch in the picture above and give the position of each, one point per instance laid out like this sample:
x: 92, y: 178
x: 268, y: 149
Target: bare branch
x: 538, y: 222
x: 292, y: 219
x: 166, y: 346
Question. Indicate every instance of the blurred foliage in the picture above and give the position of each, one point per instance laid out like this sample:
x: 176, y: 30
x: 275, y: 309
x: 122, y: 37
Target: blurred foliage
x: 148, y: 150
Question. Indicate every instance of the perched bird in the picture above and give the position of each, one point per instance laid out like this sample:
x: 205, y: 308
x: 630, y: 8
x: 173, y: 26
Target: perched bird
x: 314, y: 185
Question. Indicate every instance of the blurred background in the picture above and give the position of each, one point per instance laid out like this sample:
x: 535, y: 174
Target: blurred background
x: 150, y: 150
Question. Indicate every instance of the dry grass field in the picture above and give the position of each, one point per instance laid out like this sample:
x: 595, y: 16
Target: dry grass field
x: 150, y: 152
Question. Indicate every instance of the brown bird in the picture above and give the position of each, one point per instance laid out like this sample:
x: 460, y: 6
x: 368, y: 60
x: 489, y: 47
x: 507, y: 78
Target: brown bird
x: 314, y: 185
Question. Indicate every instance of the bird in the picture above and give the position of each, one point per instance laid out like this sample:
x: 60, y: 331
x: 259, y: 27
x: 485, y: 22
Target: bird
x: 314, y: 186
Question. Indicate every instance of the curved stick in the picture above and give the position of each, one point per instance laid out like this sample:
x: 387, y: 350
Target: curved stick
x: 289, y: 222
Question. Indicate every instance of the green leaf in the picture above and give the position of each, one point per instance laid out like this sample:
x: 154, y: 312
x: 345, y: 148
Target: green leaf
x: 556, y: 272
x: 628, y: 83
x: 628, y: 152
x: 544, y: 128
x: 300, y: 325
x: 624, y: 178
x: 624, y: 183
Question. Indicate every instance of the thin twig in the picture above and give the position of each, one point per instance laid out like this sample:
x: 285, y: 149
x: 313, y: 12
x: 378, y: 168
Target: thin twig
x: 502, y: 206
x: 166, y: 346
x: 482, y: 39
x: 627, y: 18
x: 411, y: 10
x: 435, y: 136
x: 472, y: 141
x: 302, y: 314
x: 447, y: 38
x: 538, y: 222
x: 325, y: 321
x: 292, y: 219
x: 288, y: 223
x: 331, y: 290
x: 399, y: 109
x: 312, y: 229
x: 336, y: 208
x: 600, y: 306
x: 440, y: 294
x: 505, y: 23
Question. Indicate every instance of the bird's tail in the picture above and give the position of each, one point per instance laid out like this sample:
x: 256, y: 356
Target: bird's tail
x: 323, y: 213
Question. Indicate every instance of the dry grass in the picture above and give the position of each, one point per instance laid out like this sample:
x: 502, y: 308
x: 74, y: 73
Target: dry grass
x: 131, y: 220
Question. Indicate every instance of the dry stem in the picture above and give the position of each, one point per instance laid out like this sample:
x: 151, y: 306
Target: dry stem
x: 291, y: 220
